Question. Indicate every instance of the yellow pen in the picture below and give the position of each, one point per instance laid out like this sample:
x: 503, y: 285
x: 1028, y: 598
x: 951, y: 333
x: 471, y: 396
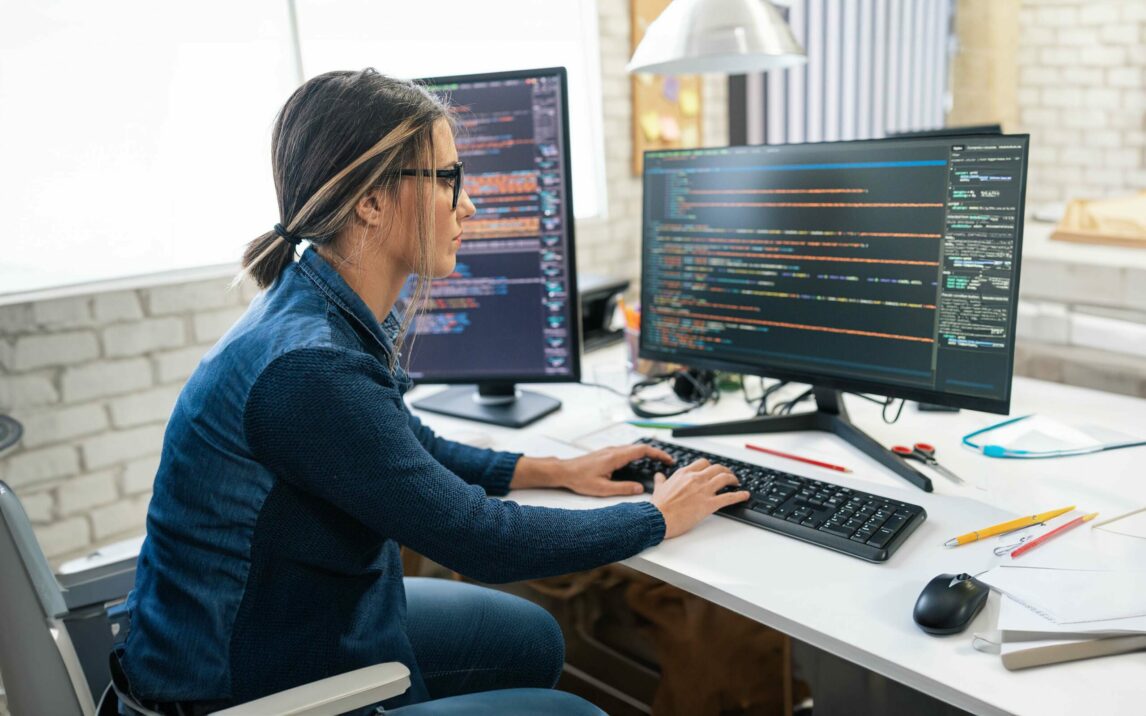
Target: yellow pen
x: 1009, y: 526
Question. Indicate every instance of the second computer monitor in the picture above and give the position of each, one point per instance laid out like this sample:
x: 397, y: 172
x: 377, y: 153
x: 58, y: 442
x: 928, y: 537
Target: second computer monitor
x: 883, y: 266
x: 509, y: 312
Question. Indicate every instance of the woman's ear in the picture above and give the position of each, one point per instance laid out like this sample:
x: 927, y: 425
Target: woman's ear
x: 371, y: 208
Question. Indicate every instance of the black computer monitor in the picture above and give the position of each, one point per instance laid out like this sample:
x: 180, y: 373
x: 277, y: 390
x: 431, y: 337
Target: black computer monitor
x: 509, y: 313
x: 888, y: 266
x: 961, y: 130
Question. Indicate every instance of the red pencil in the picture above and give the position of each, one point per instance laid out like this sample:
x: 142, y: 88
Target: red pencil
x: 1056, y: 531
x: 790, y: 456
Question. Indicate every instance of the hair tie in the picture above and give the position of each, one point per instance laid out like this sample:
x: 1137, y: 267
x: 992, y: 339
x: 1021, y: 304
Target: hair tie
x: 286, y: 235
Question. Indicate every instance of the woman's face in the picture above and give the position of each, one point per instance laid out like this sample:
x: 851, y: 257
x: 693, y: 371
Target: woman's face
x: 448, y: 220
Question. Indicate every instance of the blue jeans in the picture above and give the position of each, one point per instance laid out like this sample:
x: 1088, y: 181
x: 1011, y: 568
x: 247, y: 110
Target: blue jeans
x: 485, y: 652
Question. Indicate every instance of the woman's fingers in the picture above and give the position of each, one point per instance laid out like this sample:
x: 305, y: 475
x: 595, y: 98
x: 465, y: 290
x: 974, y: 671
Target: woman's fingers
x: 732, y: 498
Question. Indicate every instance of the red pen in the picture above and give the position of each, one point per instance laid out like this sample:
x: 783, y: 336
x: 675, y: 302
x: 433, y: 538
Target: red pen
x: 810, y: 461
x: 1056, y: 531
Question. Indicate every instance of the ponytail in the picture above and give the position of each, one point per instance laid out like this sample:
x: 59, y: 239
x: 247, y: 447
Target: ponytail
x: 266, y: 257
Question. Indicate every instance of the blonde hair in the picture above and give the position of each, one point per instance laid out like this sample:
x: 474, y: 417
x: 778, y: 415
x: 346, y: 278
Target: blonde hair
x: 340, y: 136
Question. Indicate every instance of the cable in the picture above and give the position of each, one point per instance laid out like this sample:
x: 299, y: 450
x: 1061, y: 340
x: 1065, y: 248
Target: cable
x: 614, y: 391
x: 694, y: 387
x: 886, y: 405
x: 744, y: 391
x: 786, y: 407
x: 762, y: 409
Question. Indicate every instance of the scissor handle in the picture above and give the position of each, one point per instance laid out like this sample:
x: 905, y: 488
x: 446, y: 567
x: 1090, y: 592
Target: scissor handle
x: 926, y: 448
x: 902, y: 450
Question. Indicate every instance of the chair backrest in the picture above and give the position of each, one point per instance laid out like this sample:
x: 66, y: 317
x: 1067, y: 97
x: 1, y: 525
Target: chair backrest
x: 37, y: 661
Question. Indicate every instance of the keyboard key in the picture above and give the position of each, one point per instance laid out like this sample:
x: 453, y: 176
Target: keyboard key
x: 882, y: 537
x: 838, y: 531
x: 895, y: 522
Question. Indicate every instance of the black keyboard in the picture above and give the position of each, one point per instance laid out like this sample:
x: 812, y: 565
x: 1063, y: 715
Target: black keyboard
x: 850, y: 521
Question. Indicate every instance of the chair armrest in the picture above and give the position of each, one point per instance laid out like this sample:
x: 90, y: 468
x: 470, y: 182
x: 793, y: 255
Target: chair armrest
x: 105, y: 575
x: 332, y: 695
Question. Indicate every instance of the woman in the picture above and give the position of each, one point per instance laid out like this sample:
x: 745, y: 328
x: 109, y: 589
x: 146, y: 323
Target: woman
x: 292, y: 470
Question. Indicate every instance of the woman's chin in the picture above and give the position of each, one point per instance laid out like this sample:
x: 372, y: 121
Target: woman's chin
x: 445, y: 267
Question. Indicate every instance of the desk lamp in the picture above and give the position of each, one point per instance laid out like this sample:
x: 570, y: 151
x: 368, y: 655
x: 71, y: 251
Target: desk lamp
x: 724, y: 36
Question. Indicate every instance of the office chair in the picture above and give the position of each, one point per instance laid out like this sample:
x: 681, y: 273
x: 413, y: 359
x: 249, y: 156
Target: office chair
x: 56, y: 636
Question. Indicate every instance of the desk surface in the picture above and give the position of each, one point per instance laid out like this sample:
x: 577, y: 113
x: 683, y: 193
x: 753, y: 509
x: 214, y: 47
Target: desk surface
x: 861, y: 611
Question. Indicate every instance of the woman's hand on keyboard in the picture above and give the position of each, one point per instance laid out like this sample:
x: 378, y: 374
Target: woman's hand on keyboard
x: 691, y: 495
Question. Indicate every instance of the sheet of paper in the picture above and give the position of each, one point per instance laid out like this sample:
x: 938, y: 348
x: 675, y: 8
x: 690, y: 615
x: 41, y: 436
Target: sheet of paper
x: 615, y: 434
x: 689, y: 102
x: 651, y: 126
x: 1041, y: 433
x: 1068, y: 596
x: 535, y: 445
x: 1014, y: 616
x: 1082, y: 548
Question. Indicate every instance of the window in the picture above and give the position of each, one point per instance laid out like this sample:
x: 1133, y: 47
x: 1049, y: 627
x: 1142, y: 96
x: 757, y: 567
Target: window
x: 459, y: 37
x: 135, y: 136
x: 874, y: 67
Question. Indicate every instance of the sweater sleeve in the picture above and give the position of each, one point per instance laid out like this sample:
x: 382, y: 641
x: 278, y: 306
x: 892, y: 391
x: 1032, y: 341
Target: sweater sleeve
x: 331, y: 423
x: 489, y: 469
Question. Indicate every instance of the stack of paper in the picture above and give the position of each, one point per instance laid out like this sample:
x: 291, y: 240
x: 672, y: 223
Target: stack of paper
x: 1048, y: 616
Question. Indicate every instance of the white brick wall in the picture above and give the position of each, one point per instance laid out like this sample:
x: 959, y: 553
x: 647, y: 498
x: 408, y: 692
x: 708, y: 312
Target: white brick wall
x: 210, y: 326
x: 132, y: 339
x: 119, y: 520
x: 121, y: 306
x: 147, y: 407
x: 60, y: 424
x: 119, y: 446
x: 176, y: 366
x: 70, y: 536
x: 38, y: 506
x: 1082, y: 90
x: 191, y: 298
x: 54, y: 349
x: 25, y: 468
x: 104, y: 378
x: 83, y: 493
x: 93, y: 379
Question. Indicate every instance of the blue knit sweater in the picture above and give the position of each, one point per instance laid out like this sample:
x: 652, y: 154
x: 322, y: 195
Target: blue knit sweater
x: 291, y: 473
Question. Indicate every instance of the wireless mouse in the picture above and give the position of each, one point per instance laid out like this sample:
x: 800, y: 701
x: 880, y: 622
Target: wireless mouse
x: 949, y: 602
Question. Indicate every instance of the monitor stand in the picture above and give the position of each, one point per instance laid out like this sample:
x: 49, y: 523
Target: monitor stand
x: 829, y: 416
x: 496, y: 403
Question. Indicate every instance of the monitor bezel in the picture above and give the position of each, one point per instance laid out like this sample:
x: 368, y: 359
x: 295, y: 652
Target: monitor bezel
x: 573, y: 376
x: 857, y: 385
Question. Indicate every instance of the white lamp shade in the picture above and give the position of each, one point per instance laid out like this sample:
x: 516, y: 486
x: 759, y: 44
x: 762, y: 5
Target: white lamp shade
x: 725, y: 36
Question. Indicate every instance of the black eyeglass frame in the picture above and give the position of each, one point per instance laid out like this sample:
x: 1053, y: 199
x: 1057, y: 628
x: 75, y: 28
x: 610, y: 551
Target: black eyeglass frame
x: 456, y: 173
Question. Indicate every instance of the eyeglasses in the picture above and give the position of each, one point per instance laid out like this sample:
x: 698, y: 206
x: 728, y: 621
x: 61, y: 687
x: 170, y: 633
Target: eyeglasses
x: 454, y: 174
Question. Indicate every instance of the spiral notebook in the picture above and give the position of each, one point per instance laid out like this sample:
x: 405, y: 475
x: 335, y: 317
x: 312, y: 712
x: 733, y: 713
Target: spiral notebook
x: 1072, y: 596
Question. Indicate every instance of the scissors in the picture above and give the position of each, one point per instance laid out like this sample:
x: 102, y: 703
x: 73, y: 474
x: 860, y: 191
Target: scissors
x: 925, y: 453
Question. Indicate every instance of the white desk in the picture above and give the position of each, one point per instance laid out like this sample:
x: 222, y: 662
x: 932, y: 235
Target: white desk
x: 861, y: 611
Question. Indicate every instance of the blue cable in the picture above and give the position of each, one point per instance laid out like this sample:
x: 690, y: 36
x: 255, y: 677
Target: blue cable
x: 1001, y: 451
